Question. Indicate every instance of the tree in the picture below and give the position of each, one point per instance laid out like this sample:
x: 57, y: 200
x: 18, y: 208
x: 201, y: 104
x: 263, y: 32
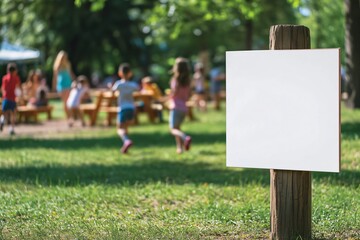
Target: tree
x: 353, y: 50
x: 216, y: 25
x: 326, y: 21
x: 206, y: 20
x: 97, y: 34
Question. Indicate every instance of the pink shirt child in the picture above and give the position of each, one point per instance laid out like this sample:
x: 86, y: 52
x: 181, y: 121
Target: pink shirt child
x: 179, y: 96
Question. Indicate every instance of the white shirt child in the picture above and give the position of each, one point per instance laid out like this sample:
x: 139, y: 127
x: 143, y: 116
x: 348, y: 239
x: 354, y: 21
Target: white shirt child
x: 76, y: 93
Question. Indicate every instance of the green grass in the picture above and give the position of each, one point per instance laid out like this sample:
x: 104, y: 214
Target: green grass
x: 78, y: 186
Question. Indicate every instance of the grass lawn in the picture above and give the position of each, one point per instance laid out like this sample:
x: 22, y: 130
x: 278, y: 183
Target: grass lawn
x: 78, y: 186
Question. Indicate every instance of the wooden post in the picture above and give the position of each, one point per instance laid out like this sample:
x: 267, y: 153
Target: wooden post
x: 290, y: 191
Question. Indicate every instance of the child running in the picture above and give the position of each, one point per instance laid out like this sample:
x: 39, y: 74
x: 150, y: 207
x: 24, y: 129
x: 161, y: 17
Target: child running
x: 10, y: 82
x: 126, y: 104
x: 180, y: 93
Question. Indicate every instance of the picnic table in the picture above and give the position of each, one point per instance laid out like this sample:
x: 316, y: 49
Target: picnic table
x: 106, y: 101
x: 26, y: 111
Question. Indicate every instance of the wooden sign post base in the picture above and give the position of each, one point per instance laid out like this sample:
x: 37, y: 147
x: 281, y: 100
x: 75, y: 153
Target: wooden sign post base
x: 290, y: 191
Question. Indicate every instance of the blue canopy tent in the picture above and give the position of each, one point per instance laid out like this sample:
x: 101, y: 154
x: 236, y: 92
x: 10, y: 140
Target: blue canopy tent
x: 19, y: 54
x: 23, y: 57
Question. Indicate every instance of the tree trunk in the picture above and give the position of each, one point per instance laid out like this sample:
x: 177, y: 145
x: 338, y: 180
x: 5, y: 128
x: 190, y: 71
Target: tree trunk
x: 319, y: 35
x: 352, y: 46
x: 290, y: 191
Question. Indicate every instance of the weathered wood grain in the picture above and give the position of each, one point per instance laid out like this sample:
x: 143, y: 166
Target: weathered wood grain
x: 290, y: 191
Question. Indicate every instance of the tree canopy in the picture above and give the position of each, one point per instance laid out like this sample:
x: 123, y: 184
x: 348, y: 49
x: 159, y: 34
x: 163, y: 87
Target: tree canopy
x: 149, y: 34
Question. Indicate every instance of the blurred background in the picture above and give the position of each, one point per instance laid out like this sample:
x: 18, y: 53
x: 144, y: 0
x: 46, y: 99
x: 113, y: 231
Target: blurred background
x: 149, y: 34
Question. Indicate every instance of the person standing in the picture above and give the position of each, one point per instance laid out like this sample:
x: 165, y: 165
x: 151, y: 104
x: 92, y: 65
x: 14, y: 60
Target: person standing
x: 216, y: 76
x: 199, y: 85
x: 126, y: 104
x: 63, y: 77
x: 180, y: 93
x: 10, y: 82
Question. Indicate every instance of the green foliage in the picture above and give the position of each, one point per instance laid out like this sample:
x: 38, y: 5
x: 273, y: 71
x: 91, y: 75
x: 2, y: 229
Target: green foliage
x: 326, y: 21
x: 172, y: 18
x: 295, y: 3
x: 78, y: 186
x: 190, y: 27
x: 99, y: 34
x: 96, y: 5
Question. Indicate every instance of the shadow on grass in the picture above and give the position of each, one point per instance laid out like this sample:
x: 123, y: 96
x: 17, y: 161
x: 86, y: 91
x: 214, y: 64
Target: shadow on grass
x: 139, y: 139
x: 344, y: 178
x: 151, y: 170
x: 134, y: 173
x: 350, y: 130
x: 155, y: 171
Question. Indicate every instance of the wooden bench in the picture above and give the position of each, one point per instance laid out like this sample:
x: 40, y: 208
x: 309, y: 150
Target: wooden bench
x: 111, y: 113
x: 92, y: 110
x: 145, y: 106
x: 110, y: 108
x: 52, y: 95
x: 28, y: 112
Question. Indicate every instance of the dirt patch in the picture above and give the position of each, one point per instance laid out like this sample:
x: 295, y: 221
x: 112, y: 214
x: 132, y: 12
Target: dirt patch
x: 43, y: 128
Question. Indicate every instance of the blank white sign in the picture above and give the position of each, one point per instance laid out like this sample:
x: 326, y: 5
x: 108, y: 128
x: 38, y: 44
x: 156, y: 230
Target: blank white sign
x: 283, y: 109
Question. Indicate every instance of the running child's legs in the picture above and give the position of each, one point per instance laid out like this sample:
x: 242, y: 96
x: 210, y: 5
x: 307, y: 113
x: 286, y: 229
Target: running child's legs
x: 125, y: 117
x: 122, y: 131
x: 9, y: 114
x: 12, y: 115
x: 5, y: 118
x: 175, y: 120
x: 179, y: 138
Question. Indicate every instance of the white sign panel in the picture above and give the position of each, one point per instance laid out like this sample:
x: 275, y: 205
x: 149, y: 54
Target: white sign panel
x: 283, y: 109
